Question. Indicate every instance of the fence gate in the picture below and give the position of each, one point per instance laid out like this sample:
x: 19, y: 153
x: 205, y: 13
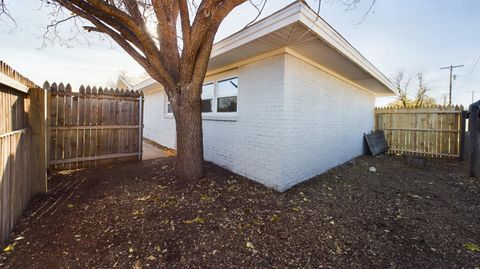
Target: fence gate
x: 434, y: 131
x: 93, y: 127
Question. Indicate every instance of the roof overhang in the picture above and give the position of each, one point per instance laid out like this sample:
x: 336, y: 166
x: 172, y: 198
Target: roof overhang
x: 297, y: 30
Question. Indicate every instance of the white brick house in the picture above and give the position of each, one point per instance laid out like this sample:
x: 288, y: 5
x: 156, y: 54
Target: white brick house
x: 285, y: 100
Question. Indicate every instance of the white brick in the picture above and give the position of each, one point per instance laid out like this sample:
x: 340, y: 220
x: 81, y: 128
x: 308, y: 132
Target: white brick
x: 294, y: 121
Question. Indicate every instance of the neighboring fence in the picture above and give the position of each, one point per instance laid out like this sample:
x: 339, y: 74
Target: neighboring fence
x: 22, y: 141
x: 93, y: 127
x: 433, y: 131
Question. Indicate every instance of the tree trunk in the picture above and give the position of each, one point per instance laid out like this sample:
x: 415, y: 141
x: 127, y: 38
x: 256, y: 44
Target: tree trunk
x: 188, y: 118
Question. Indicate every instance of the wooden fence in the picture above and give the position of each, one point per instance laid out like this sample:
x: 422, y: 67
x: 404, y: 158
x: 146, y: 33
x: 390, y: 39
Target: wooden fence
x: 22, y: 141
x: 93, y: 127
x: 433, y: 131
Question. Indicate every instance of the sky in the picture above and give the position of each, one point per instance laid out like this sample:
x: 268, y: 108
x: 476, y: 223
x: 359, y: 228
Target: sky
x: 408, y: 35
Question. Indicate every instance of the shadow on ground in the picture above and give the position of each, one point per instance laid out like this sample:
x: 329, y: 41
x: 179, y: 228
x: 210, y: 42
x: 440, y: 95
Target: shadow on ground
x: 136, y: 216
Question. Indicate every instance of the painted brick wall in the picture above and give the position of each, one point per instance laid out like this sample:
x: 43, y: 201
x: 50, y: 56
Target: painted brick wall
x: 324, y: 121
x: 251, y: 146
x: 294, y: 122
x: 158, y: 126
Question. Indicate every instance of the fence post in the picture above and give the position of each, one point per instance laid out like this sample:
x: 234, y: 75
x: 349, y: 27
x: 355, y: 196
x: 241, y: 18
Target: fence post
x: 140, y: 128
x: 474, y: 130
x: 463, y: 119
x: 37, y: 123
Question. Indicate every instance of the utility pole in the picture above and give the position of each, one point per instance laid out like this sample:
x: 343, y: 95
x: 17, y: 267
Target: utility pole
x: 451, y: 67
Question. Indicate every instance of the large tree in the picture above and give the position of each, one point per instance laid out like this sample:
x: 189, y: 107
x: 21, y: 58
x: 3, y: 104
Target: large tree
x: 175, y: 53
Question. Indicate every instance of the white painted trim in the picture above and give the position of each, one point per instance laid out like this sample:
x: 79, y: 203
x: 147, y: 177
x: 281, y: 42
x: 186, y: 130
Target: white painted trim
x: 326, y: 70
x: 245, y: 62
x: 216, y: 73
x: 296, y: 12
x: 336, y: 41
x: 277, y: 20
x: 10, y: 82
x: 145, y: 84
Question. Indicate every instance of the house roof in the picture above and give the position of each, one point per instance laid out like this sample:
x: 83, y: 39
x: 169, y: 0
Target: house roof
x: 299, y: 31
x: 130, y: 81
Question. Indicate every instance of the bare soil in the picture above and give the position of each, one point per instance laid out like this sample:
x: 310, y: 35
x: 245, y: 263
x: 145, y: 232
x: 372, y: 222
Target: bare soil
x: 137, y: 216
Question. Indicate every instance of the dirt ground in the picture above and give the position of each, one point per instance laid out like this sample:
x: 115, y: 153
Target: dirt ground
x: 136, y: 216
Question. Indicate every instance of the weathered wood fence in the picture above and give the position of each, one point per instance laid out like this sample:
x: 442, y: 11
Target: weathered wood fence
x: 431, y: 131
x: 22, y: 146
x: 93, y: 127
x: 474, y: 130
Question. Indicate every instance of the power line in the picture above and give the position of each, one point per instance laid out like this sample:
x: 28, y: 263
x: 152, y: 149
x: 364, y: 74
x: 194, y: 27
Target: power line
x: 471, y: 70
x: 451, y: 67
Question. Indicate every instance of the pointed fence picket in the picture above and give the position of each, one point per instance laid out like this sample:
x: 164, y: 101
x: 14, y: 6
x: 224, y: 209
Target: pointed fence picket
x: 435, y: 131
x: 93, y: 126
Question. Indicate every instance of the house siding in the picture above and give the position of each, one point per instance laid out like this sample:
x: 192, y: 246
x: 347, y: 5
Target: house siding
x: 324, y: 121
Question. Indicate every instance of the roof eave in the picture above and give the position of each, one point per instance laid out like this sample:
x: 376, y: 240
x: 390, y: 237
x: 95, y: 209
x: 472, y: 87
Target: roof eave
x: 296, y: 12
x: 326, y: 32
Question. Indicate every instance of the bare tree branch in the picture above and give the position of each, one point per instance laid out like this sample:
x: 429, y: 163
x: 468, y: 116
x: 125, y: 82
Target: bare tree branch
x: 4, y: 12
x: 403, y: 83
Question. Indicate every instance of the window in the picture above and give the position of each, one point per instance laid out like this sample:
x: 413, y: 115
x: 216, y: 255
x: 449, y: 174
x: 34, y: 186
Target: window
x: 218, y: 97
x: 207, y: 97
x: 227, y: 91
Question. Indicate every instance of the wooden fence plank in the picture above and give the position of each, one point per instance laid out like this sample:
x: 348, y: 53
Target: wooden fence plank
x: 429, y: 131
x: 81, y: 122
x: 96, y: 127
x: 22, y: 148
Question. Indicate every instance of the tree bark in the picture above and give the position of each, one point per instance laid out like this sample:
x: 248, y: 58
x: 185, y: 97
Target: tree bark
x: 188, y: 119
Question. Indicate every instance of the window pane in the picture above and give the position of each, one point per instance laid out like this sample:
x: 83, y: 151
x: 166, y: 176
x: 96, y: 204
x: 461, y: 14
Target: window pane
x: 207, y: 91
x: 169, y: 108
x: 227, y: 104
x: 228, y: 87
x: 207, y: 105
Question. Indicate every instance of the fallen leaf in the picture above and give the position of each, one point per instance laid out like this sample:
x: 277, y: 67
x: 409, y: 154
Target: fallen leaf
x: 144, y: 198
x: 9, y: 248
x: 137, y: 265
x: 472, y: 247
x: 130, y: 250
x: 250, y: 245
x: 195, y: 220
x: 275, y: 218
x: 158, y: 248
x: 70, y: 205
x: 140, y: 212
x: 205, y: 197
x: 151, y: 258
x: 296, y: 209
x: 171, y: 201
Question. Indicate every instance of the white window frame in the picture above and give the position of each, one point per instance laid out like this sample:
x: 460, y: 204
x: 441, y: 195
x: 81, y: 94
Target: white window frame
x: 214, y: 115
x: 216, y: 95
x: 169, y: 114
x: 214, y: 83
